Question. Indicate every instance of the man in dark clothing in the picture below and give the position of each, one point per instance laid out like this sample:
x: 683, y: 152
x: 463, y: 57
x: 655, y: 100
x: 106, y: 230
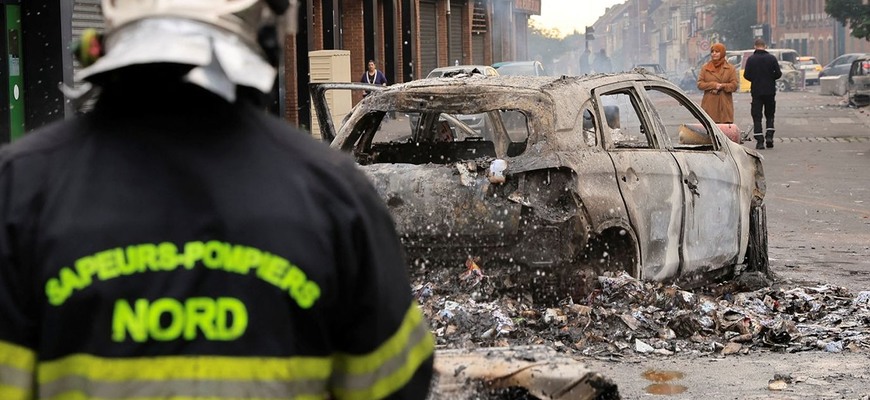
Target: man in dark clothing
x: 585, y: 68
x: 762, y: 69
x: 179, y: 242
x: 602, y: 64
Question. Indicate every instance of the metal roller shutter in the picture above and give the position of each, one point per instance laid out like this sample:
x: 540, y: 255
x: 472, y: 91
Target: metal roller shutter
x: 477, y: 45
x: 455, y: 39
x: 428, y: 37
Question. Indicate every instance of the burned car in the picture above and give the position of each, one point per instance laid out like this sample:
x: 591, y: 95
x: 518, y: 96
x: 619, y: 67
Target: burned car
x: 791, y: 78
x: 564, y: 175
x: 859, y: 82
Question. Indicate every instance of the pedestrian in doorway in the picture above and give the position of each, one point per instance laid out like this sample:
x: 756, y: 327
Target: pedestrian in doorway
x: 762, y: 69
x: 602, y: 64
x: 718, y: 80
x: 373, y: 76
x: 178, y: 241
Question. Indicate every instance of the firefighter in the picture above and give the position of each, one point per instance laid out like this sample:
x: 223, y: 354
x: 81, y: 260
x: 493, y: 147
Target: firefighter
x: 179, y: 242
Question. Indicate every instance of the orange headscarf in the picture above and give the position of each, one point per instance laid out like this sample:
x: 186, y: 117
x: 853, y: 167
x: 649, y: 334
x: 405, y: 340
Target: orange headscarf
x: 715, y: 65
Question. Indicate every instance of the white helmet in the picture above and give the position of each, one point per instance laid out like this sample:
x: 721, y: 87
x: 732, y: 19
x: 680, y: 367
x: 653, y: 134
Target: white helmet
x: 242, y: 17
x: 219, y: 38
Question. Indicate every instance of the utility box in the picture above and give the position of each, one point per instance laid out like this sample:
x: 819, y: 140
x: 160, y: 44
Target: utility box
x: 331, y: 66
x: 833, y: 85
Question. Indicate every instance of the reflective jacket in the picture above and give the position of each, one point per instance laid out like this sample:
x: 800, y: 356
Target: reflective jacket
x: 173, y: 245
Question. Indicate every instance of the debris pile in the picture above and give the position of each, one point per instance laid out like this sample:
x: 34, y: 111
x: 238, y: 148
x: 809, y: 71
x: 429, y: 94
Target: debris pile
x: 622, y: 315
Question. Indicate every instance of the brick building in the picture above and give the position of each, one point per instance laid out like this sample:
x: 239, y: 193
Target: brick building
x: 804, y: 26
x: 407, y: 38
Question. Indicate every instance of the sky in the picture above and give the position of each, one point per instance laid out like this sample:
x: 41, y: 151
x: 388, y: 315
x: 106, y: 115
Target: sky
x: 568, y: 15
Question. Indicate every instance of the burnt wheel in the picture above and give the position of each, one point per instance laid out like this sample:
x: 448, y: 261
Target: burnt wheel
x: 782, y: 86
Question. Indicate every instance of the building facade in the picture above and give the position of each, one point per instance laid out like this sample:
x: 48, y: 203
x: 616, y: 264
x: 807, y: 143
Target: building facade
x: 804, y: 26
x: 677, y: 33
x: 406, y: 38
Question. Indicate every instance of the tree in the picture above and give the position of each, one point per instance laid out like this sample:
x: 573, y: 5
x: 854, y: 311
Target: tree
x: 853, y: 13
x: 546, y: 43
x: 732, y: 22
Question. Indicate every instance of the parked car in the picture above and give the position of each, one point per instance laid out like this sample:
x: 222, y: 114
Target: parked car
x: 811, y: 68
x: 859, y: 82
x: 839, y: 65
x: 651, y: 68
x: 454, y: 70
x: 476, y: 120
x: 603, y: 172
x: 528, y: 68
x: 789, y: 55
x: 790, y: 79
x: 654, y: 68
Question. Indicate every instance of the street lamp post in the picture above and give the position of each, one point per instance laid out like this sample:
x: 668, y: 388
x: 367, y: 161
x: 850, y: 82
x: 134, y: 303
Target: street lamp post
x: 590, y: 35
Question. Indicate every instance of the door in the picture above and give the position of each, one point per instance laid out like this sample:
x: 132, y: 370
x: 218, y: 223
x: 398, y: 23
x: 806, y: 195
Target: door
x: 478, y: 43
x: 711, y: 184
x: 321, y: 104
x: 428, y: 37
x: 454, y: 39
x: 648, y: 178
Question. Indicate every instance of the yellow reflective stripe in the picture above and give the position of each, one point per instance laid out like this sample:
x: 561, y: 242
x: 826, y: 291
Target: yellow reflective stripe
x: 83, y: 396
x: 213, y: 390
x: 14, y: 393
x: 17, y: 356
x: 185, y: 367
x: 16, y: 371
x: 380, y: 373
x: 212, y: 377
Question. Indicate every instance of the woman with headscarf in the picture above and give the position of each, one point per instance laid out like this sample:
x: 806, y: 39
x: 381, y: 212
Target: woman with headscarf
x: 718, y: 79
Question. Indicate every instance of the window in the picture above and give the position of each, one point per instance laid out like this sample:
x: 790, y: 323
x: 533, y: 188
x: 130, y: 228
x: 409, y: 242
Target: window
x: 589, y: 131
x: 623, y: 124
x: 684, y: 129
x: 516, y: 125
x: 440, y: 137
x: 396, y: 129
x: 861, y: 67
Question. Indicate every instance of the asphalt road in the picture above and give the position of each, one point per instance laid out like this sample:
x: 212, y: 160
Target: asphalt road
x: 818, y: 181
x: 818, y: 205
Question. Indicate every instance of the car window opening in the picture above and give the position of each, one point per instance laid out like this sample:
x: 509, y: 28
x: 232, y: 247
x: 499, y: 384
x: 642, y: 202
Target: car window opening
x: 421, y: 137
x: 623, y: 123
x: 684, y: 129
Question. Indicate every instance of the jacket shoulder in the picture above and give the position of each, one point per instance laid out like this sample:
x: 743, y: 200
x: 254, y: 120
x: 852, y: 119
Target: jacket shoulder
x: 301, y: 147
x: 43, y: 140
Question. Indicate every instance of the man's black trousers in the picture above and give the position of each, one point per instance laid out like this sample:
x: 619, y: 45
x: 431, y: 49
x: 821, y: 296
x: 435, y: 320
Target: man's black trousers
x: 763, y: 104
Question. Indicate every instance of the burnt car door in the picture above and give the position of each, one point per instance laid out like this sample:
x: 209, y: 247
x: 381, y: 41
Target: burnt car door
x: 323, y: 97
x: 648, y: 177
x: 710, y: 180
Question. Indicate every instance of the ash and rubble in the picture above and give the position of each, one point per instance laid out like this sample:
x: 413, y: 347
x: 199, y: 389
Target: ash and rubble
x: 623, y: 316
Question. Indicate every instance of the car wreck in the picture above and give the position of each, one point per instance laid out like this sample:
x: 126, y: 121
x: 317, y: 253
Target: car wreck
x: 558, y: 176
